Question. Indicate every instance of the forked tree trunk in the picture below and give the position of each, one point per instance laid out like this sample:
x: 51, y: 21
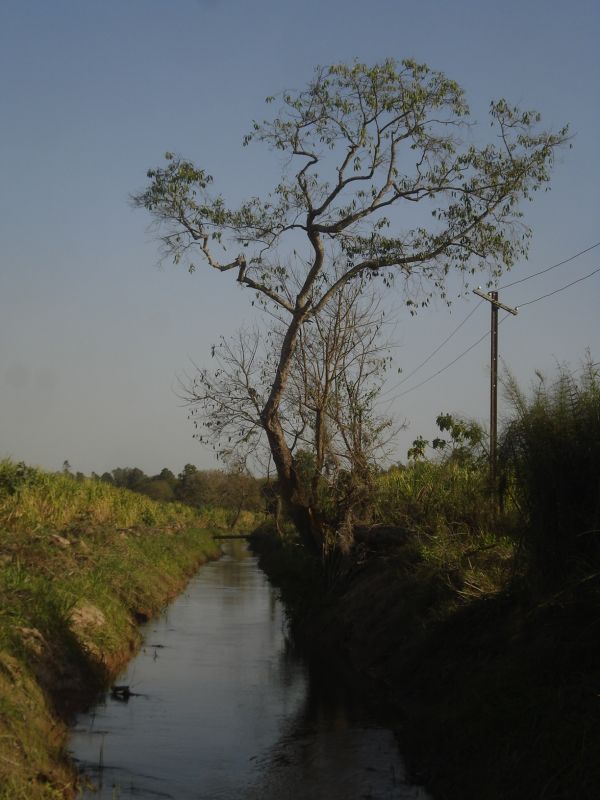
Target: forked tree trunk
x: 294, y: 494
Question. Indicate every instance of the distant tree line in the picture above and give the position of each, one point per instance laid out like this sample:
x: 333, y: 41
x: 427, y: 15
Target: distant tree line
x: 236, y: 490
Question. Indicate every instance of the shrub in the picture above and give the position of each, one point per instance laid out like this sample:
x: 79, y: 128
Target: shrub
x: 425, y: 494
x: 551, y: 449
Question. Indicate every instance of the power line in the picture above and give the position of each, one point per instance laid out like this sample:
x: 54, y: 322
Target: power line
x: 443, y: 369
x: 554, y: 266
x: 486, y: 334
x: 439, y: 347
x: 514, y: 283
x: 556, y: 291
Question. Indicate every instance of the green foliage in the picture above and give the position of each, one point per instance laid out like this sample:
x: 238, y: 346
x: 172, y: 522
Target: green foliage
x: 158, y: 490
x: 464, y: 446
x: 450, y: 492
x: 15, y: 477
x: 428, y: 494
x: 551, y: 452
x: 234, y: 490
x: 31, y: 499
x: 444, y: 505
x: 375, y: 122
x: 549, y: 468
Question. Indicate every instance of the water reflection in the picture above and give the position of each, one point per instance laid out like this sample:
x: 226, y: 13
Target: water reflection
x: 226, y: 709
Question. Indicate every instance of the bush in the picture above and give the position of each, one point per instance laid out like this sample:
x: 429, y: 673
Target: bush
x: 427, y: 494
x: 551, y: 450
x: 14, y: 477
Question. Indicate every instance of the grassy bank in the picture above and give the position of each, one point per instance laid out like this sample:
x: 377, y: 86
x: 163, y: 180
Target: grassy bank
x: 80, y: 564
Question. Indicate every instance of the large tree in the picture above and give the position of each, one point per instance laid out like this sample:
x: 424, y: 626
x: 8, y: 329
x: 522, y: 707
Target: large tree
x: 363, y: 144
x: 328, y: 410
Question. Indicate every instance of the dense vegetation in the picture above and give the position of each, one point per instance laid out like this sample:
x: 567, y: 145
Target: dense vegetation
x: 551, y: 450
x: 543, y: 517
x: 234, y: 490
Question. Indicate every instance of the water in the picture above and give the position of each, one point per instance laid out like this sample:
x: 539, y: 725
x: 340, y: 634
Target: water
x: 225, y: 709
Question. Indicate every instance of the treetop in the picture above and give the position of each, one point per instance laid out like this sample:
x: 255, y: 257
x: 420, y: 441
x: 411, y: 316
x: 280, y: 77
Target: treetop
x: 362, y: 143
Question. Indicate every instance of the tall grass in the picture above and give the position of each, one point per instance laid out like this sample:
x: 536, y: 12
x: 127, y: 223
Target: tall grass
x: 443, y: 516
x: 31, y: 499
x: 550, y: 466
x: 426, y: 495
x: 551, y: 449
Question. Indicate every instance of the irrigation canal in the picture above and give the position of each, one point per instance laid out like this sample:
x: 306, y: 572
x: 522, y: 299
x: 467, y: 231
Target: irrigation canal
x: 224, y: 708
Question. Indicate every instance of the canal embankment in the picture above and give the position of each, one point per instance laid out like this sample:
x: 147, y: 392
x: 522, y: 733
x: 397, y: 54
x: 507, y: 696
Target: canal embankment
x: 494, y: 695
x: 81, y: 565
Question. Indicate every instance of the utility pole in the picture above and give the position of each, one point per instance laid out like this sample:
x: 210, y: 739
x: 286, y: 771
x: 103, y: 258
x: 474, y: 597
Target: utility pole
x: 495, y: 304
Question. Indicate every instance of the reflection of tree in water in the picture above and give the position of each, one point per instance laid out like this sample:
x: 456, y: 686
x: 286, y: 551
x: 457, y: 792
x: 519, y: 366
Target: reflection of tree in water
x: 235, y: 572
x: 332, y: 748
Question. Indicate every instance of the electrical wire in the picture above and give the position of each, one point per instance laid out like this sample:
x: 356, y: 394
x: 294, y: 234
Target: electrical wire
x: 554, y: 266
x: 485, y: 335
x: 443, y: 369
x: 439, y: 347
x: 556, y: 291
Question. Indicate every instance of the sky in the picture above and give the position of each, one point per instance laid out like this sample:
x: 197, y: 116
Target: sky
x: 94, y: 331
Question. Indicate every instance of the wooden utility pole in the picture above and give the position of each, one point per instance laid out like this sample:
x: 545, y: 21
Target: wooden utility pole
x: 495, y: 304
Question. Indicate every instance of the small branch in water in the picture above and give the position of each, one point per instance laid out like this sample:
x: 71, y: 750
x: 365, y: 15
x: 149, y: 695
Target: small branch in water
x: 122, y: 692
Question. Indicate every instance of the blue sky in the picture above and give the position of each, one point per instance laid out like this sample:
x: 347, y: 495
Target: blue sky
x: 93, y: 332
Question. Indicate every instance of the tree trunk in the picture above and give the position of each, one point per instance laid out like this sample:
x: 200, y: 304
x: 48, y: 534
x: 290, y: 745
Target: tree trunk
x: 294, y: 495
x: 292, y: 492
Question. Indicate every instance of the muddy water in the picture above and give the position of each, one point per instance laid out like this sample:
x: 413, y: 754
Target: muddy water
x: 225, y: 709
